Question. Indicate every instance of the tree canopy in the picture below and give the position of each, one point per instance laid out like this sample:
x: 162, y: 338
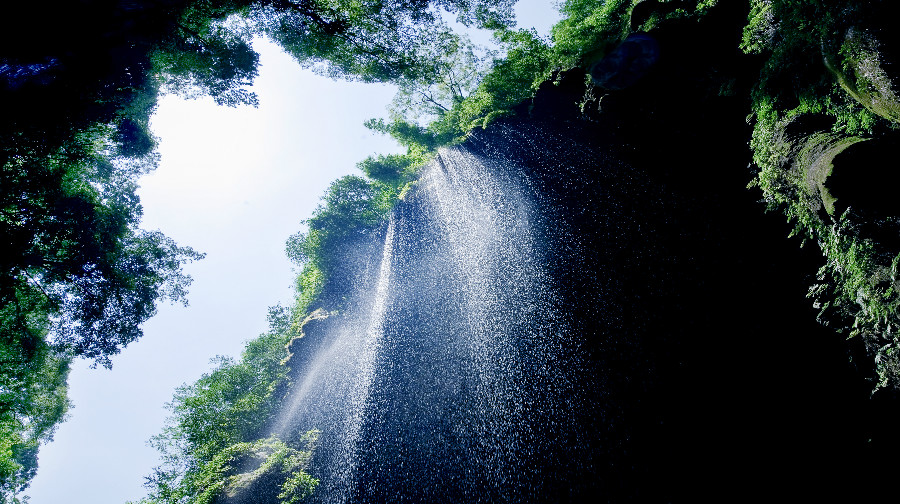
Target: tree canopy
x: 375, y: 40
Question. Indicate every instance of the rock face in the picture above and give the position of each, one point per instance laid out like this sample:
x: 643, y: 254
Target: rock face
x: 700, y: 366
x: 829, y: 158
x: 731, y: 364
x: 309, y: 342
x: 627, y: 63
x: 689, y: 363
x: 710, y: 356
x: 865, y: 71
x: 807, y: 148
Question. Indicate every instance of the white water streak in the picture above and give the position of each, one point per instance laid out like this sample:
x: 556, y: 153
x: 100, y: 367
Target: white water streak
x: 336, y: 384
x: 487, y: 223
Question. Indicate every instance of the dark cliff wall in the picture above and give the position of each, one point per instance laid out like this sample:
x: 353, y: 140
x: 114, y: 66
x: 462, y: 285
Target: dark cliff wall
x: 711, y: 378
x: 692, y: 303
x: 727, y: 384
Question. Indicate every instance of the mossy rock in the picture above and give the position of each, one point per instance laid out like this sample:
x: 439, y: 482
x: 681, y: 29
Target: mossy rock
x: 311, y: 331
x: 806, y: 148
x: 863, y: 69
x: 813, y: 162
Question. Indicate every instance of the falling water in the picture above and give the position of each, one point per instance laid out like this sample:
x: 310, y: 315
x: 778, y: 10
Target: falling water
x: 456, y: 380
x: 333, y: 389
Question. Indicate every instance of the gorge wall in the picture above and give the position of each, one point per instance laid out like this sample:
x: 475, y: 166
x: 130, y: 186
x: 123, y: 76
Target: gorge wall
x: 584, y: 303
x: 569, y: 323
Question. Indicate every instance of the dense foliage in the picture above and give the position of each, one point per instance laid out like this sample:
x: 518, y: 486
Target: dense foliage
x: 274, y: 465
x: 215, y: 418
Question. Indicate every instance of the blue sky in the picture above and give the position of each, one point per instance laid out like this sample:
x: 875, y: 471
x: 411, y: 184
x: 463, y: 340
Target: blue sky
x: 234, y: 183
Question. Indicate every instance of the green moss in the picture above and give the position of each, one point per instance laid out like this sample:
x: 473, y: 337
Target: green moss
x: 862, y: 75
x: 407, y: 190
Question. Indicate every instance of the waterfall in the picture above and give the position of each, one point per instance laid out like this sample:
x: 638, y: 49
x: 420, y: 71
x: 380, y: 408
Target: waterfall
x: 334, y: 387
x: 552, y: 318
x: 457, y: 380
